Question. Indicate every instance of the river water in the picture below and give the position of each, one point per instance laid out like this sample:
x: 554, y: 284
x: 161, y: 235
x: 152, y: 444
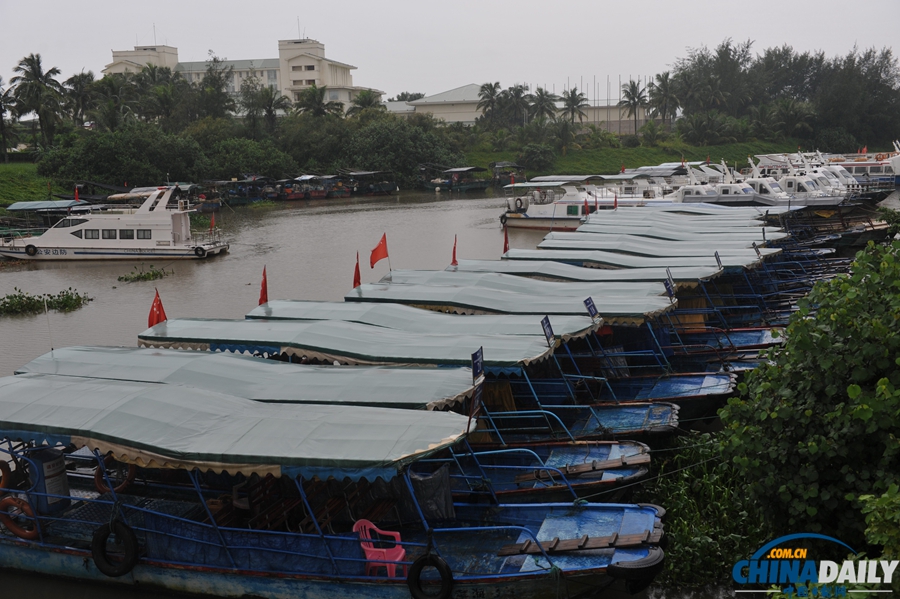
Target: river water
x: 308, y: 248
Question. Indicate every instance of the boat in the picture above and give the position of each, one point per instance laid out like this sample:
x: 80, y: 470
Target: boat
x: 335, y: 187
x: 459, y: 179
x: 506, y: 173
x: 311, y: 186
x: 370, y: 183
x: 221, y: 496
x: 160, y: 227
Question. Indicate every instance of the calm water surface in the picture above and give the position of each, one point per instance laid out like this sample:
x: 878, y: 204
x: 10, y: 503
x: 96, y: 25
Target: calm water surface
x: 308, y: 249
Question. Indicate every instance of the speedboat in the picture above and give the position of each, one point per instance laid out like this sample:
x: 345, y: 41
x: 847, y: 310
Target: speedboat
x: 160, y: 227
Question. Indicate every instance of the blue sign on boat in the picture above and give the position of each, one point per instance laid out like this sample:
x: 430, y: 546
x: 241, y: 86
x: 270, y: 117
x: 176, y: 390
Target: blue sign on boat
x: 591, y: 308
x: 548, y: 331
x: 478, y: 364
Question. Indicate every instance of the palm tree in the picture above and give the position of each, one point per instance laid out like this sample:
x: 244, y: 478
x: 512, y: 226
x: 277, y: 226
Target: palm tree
x: 663, y: 98
x: 115, y: 103
x: 489, y: 97
x: 38, y: 92
x: 634, y: 98
x: 518, y: 100
x: 7, y: 105
x: 272, y: 101
x: 79, y: 95
x: 573, y: 104
x: 312, y: 101
x: 544, y: 104
x: 366, y: 100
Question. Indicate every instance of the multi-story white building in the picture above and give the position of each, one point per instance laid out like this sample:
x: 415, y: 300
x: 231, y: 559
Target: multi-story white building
x: 300, y: 65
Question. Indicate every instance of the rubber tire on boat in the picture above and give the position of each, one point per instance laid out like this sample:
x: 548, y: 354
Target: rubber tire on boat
x: 199, y: 252
x: 643, y: 569
x: 519, y: 203
x: 5, y: 476
x: 503, y: 219
x: 17, y: 502
x: 660, y: 510
x: 30, y: 250
x: 129, y: 544
x: 100, y: 482
x: 414, y: 582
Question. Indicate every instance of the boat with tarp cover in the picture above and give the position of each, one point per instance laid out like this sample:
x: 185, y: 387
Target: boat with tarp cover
x: 498, y: 476
x: 504, y: 357
x: 232, y: 498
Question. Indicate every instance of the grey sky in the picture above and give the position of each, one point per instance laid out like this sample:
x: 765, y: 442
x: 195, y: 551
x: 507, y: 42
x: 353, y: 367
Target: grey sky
x: 430, y: 47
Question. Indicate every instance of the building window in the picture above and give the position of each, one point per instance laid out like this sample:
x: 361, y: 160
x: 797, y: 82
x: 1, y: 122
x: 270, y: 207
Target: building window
x: 109, y: 233
x: 273, y: 76
x: 332, y: 95
x: 92, y: 233
x: 310, y: 67
x: 297, y: 68
x: 143, y: 234
x: 296, y: 96
x: 310, y: 82
x: 126, y: 233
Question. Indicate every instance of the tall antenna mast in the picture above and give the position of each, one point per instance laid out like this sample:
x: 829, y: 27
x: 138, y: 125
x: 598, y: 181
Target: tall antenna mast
x: 154, y: 34
x: 298, y: 26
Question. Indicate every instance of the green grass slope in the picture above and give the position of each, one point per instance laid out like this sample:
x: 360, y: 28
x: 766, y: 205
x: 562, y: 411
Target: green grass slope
x: 19, y: 182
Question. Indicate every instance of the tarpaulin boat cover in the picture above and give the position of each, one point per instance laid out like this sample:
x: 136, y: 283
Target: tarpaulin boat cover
x: 601, y: 259
x: 344, y: 342
x: 171, y: 426
x: 653, y: 247
x: 263, y: 380
x: 46, y: 205
x: 416, y: 320
x: 692, y: 221
x: 718, y: 210
x: 677, y: 233
x: 549, y: 270
x: 515, y: 284
x: 615, y: 309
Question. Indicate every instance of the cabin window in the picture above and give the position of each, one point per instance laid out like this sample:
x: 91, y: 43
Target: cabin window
x: 859, y: 170
x: 799, y: 187
x: 888, y: 170
x: 747, y: 190
x: 92, y: 233
x: 69, y: 222
x: 763, y: 189
x: 874, y: 169
x: 109, y: 233
x: 571, y: 210
x: 776, y: 187
x: 77, y: 233
x: 126, y: 233
x: 726, y: 191
x: 790, y: 185
x: 143, y: 233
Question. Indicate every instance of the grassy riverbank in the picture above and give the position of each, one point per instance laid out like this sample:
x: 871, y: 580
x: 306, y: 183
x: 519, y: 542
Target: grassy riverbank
x: 605, y: 161
x: 20, y: 182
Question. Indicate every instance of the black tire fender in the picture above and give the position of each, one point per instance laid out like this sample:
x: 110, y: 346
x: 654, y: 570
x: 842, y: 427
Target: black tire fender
x: 124, y: 536
x: 503, y: 219
x: 519, y: 203
x: 30, y: 250
x: 199, y: 252
x: 414, y: 581
x: 645, y: 568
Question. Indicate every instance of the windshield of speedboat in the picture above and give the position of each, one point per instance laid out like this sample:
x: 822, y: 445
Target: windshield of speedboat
x: 711, y: 192
x: 747, y: 190
x: 775, y: 187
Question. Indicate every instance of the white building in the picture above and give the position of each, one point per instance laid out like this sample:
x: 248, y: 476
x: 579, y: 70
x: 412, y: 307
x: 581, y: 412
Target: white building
x: 300, y: 64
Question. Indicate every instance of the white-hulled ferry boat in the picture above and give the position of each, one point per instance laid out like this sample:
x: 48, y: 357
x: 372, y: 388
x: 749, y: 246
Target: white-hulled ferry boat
x: 153, y: 230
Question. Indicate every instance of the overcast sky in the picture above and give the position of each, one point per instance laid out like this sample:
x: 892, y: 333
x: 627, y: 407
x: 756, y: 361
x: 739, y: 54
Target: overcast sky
x: 428, y: 46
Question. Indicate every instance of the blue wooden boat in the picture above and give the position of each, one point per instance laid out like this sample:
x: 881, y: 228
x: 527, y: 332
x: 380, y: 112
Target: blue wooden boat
x: 232, y: 498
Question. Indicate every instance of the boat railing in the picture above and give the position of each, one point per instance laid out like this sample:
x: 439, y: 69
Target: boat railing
x: 8, y: 235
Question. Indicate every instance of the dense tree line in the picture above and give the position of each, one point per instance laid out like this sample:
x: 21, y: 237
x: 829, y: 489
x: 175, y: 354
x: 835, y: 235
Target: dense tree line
x: 709, y: 97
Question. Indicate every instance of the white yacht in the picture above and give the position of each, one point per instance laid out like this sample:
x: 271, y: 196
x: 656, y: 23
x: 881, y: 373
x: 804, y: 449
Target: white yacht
x: 155, y: 229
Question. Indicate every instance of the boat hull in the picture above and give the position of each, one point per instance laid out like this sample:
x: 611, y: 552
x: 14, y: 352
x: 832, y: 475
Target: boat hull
x: 78, y: 565
x: 176, y: 253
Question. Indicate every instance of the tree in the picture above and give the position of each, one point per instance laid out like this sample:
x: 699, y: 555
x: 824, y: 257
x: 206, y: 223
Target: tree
x: 517, y: 101
x: 574, y: 103
x: 537, y: 157
x: 634, y: 98
x: 214, y: 100
x: 79, y: 96
x: 366, y: 100
x: 115, y: 101
x: 250, y: 103
x: 815, y: 425
x: 795, y: 118
x: 488, y: 100
x: 7, y: 106
x: 312, y: 101
x: 37, y: 91
x: 544, y: 104
x: 272, y: 101
x: 662, y: 97
x: 407, y: 97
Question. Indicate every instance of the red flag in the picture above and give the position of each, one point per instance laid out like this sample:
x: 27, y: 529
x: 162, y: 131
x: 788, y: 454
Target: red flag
x: 587, y: 210
x: 707, y: 160
x: 264, y: 289
x: 865, y: 149
x: 623, y: 167
x: 212, y: 223
x: 380, y: 252
x: 512, y: 179
x: 76, y: 194
x: 157, y: 313
x: 357, y: 281
x: 453, y: 262
x: 682, y: 160
x: 615, y: 201
x: 505, y: 239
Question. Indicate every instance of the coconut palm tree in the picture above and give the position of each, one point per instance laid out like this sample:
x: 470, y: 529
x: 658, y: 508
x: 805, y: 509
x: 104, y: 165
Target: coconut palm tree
x: 634, y: 98
x: 489, y: 98
x: 272, y: 101
x: 37, y: 91
x: 662, y: 97
x: 518, y: 102
x: 366, y: 100
x: 574, y: 103
x: 79, y: 95
x: 7, y: 106
x: 543, y: 104
x: 312, y: 101
x: 115, y: 101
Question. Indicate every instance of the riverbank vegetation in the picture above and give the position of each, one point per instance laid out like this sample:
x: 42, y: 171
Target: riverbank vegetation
x: 21, y: 302
x: 153, y: 126
x: 139, y: 274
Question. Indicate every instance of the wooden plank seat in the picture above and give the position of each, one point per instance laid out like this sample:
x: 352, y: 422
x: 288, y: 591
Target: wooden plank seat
x: 558, y: 545
x: 571, y: 471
